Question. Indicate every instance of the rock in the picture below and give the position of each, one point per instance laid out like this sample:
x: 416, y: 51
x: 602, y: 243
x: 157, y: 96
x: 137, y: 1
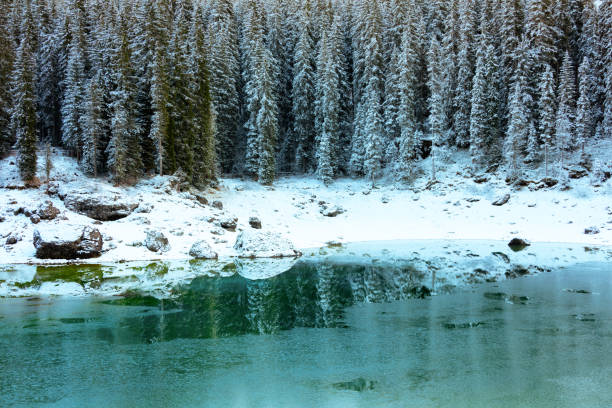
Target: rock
x: 255, y: 222
x: 135, y: 244
x: 34, y: 218
x: 201, y: 250
x: 217, y: 204
x: 385, y: 200
x: 518, y: 244
x: 217, y: 231
x: 68, y: 243
x: 200, y: 198
x: 591, y: 231
x: 99, y: 207
x: 472, y: 200
x: 257, y: 244
x: 229, y: 223
x: 144, y: 208
x: 2, y: 219
x: 502, y: 200
x: 549, y: 182
x: 156, y: 241
x: 46, y: 211
x: 502, y: 256
x: 12, y: 239
x: 577, y: 172
x: 358, y: 384
x: 332, y: 211
x: 481, y: 179
x: 141, y: 220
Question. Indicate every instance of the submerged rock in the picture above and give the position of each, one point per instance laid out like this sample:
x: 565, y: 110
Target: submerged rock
x: 518, y: 244
x: 358, y: 384
x: 68, y: 243
x: 156, y: 241
x: 99, y: 207
x: 257, y: 244
x: 202, y: 250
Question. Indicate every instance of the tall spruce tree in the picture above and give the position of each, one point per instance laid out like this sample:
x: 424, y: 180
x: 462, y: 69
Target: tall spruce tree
x: 547, y: 109
x: 7, y: 59
x: 23, y: 117
x: 566, y: 111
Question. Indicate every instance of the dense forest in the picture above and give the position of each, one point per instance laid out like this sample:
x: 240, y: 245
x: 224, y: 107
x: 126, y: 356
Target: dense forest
x: 330, y: 88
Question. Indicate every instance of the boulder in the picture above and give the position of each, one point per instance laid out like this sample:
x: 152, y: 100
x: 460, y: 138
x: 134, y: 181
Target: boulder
x: 217, y: 204
x: 577, y: 172
x: 156, y: 241
x: 255, y: 222
x: 229, y: 223
x: 591, y: 231
x: 201, y: 250
x: 99, y: 207
x: 12, y: 239
x: 518, y: 244
x: 332, y: 211
x: 258, y: 244
x: 68, y: 243
x: 47, y: 211
x: 502, y: 200
x: 34, y: 218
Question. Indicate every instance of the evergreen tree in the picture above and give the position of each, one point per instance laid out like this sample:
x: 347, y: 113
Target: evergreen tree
x: 160, y: 97
x: 605, y: 9
x: 518, y: 127
x: 566, y: 112
x: 224, y: 77
x: 123, y: 150
x: 7, y: 58
x: 267, y: 122
x: 436, y: 100
x: 23, y: 118
x: 330, y: 109
x: 465, y: 75
x: 204, y: 168
x: 584, y: 110
x: 304, y: 94
x: 547, y: 109
x: 94, y: 129
x: 407, y: 117
x: 74, y: 93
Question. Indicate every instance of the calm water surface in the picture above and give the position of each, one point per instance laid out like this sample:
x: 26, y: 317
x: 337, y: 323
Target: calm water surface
x: 317, y: 337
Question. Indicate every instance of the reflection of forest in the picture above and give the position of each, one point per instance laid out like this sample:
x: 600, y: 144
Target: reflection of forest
x: 308, y: 295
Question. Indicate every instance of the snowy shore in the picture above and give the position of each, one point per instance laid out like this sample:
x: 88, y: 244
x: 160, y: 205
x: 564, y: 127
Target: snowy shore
x: 455, y: 208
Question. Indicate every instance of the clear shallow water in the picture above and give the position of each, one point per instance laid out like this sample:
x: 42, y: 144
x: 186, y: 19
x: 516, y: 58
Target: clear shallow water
x: 297, y: 339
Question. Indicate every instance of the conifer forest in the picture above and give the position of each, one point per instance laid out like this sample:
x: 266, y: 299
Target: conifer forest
x: 360, y: 88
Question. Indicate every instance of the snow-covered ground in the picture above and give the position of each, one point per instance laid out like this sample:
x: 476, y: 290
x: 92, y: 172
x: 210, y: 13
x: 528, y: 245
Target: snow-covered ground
x: 455, y: 208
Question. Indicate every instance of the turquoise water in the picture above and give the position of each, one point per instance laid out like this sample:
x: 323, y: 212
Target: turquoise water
x: 318, y: 336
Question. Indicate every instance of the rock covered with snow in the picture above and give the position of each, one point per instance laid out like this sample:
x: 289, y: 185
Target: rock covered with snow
x: 68, y: 243
x: 228, y: 223
x: 99, y: 207
x: 255, y: 222
x: 332, y: 211
x: 502, y: 200
x: 202, y: 250
x: 47, y: 211
x: 591, y: 231
x: 156, y: 241
x: 258, y: 244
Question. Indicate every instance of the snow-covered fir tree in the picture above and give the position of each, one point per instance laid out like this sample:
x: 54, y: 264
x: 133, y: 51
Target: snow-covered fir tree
x: 584, y: 108
x: 566, y: 110
x: 304, y: 94
x: 436, y: 100
x: 23, y: 115
x: 7, y: 58
x: 547, y: 108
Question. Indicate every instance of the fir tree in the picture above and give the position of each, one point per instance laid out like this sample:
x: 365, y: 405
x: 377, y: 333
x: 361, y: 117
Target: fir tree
x: 304, y: 94
x: 204, y: 169
x: 94, y: 131
x: 566, y: 112
x: 518, y: 127
x: 465, y: 75
x: 6, y: 69
x: 436, y: 100
x: 160, y: 98
x: 584, y: 111
x: 547, y: 108
x: 23, y: 117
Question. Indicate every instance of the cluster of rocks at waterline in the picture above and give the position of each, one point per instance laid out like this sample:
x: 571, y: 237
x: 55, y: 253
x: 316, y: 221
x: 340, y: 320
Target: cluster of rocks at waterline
x: 68, y: 243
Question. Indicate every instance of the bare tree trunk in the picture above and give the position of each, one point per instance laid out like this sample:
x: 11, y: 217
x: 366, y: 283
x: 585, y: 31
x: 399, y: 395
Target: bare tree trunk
x: 546, y: 159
